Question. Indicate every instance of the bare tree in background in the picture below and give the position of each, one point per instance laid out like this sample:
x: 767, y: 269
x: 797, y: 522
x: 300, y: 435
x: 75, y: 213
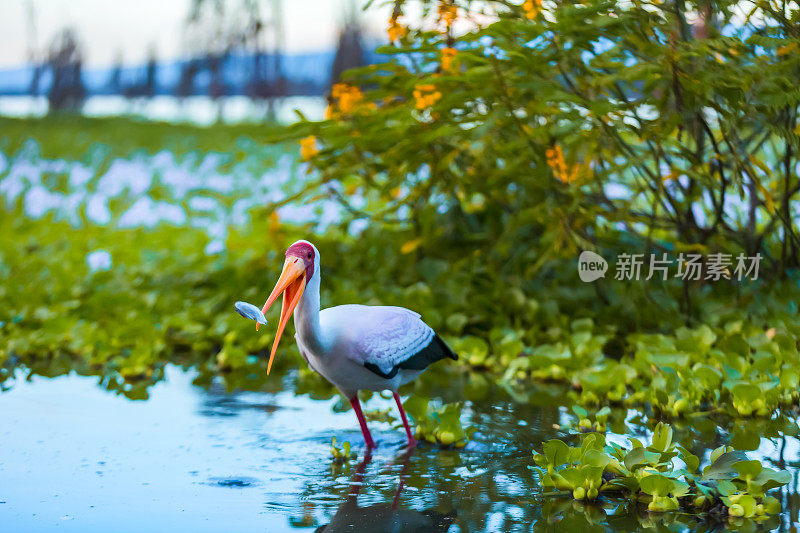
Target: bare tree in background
x: 206, y: 46
x: 115, y: 78
x: 150, y: 73
x: 189, y: 70
x: 349, y: 49
x: 219, y: 32
x: 264, y: 39
x: 65, y: 60
x: 146, y: 84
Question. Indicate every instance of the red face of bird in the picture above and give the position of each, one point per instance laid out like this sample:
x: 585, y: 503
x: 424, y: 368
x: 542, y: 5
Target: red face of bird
x: 297, y: 270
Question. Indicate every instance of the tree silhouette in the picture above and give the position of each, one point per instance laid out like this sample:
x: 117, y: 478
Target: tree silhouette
x: 349, y: 49
x: 65, y: 59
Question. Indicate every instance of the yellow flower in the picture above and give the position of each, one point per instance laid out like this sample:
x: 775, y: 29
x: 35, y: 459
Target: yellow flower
x: 555, y: 160
x: 426, y: 95
x: 347, y: 96
x: 338, y: 89
x: 396, y: 30
x: 447, y: 58
x: 531, y: 8
x: 274, y: 222
x: 410, y: 246
x: 447, y: 13
x: 308, y: 147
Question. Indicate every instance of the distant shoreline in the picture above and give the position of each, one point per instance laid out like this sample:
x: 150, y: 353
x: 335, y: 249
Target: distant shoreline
x: 305, y: 74
x: 196, y: 110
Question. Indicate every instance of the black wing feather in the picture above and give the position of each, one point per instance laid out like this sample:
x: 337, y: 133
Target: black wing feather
x: 434, y: 351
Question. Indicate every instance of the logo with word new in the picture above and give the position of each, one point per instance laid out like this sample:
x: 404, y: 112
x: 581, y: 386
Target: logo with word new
x: 591, y: 266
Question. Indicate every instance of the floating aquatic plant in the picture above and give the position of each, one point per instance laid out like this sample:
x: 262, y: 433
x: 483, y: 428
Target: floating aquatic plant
x: 438, y: 424
x: 597, y: 421
x: 650, y: 474
x: 344, y: 454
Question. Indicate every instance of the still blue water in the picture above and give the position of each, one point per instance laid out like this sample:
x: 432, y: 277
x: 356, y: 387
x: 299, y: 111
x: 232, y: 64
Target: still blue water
x: 77, y: 457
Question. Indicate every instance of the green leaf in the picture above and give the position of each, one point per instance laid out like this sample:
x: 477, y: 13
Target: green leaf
x: 717, y: 452
x: 769, y: 479
x: 556, y: 452
x: 574, y: 476
x: 749, y: 505
x: 582, y: 324
x: 679, y: 488
x: 474, y: 349
x: 726, y: 487
x: 691, y: 460
x: 662, y: 437
x: 592, y: 441
x: 596, y: 458
x: 656, y: 485
x: 456, y: 322
x: 723, y: 467
x: 748, y: 470
x: 417, y: 407
x: 772, y: 505
x: 580, y: 411
x: 636, y: 443
x: 639, y: 457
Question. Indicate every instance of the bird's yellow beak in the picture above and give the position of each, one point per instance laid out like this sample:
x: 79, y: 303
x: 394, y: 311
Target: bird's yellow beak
x: 292, y: 283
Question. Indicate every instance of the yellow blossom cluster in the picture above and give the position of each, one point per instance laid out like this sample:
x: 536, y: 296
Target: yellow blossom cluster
x: 274, y: 222
x: 447, y: 59
x: 447, y: 12
x: 531, y: 8
x: 555, y: 160
x: 396, y: 30
x: 426, y: 95
x: 308, y: 147
x: 347, y: 96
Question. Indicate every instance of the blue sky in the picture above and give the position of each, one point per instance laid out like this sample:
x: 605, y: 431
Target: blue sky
x: 110, y: 27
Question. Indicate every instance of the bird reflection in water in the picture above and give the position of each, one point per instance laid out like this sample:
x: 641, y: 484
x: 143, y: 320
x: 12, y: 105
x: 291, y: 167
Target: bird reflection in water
x: 386, y: 517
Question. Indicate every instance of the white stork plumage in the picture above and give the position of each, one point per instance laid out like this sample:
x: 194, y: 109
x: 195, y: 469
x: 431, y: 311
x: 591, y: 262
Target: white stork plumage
x: 355, y: 347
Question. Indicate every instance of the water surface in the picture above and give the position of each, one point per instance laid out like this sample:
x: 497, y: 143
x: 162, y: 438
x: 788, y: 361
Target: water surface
x: 81, y: 458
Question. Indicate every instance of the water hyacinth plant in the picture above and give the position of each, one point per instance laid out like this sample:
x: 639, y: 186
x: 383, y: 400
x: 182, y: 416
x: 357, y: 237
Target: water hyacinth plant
x: 730, y: 484
x: 342, y: 455
x: 734, y: 367
x: 596, y: 422
x: 439, y: 425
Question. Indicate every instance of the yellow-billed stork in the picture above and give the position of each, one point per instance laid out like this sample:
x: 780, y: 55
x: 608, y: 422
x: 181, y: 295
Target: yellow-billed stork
x: 355, y: 347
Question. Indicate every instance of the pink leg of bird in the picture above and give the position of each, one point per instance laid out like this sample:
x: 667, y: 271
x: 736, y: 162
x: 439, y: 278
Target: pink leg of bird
x: 396, y: 499
x: 411, y: 441
x: 401, y: 484
x: 358, y: 477
x: 362, y: 422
